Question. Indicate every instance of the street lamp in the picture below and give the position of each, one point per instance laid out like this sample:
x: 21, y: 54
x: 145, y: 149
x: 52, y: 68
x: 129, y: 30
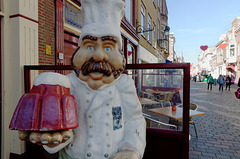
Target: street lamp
x: 166, y: 35
x: 166, y: 31
x: 165, y: 38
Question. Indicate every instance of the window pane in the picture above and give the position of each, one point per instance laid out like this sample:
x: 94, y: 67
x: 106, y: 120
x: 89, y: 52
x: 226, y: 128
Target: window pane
x: 128, y: 10
x: 143, y: 19
x: 160, y: 88
x: 153, y: 36
x: 149, y: 27
x: 130, y: 54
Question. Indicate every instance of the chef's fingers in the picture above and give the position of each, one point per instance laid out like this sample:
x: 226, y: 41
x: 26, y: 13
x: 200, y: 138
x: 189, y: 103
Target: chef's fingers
x: 66, y: 134
x: 56, y: 138
x: 35, y: 137
x: 46, y: 138
x: 23, y: 135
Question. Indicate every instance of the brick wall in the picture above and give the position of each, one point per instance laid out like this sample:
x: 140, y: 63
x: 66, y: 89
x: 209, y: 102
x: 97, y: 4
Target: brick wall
x: 46, y: 31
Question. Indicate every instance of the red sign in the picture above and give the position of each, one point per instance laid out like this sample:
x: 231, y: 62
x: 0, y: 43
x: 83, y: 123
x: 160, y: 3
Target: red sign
x: 204, y: 47
x: 223, y: 46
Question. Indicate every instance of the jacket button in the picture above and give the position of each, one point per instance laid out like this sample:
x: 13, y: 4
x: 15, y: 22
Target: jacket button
x: 89, y: 154
x: 107, y: 124
x: 91, y: 126
x: 107, y: 104
x: 106, y: 155
x: 108, y: 145
x: 90, y: 116
x: 89, y: 145
x: 107, y: 114
x: 107, y: 134
x: 88, y: 101
x: 110, y: 92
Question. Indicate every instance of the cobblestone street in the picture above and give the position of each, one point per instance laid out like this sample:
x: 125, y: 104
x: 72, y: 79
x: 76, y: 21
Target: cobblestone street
x: 218, y: 130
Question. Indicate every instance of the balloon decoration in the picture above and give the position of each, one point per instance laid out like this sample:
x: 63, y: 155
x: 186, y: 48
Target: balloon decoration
x: 223, y: 46
x: 203, y: 48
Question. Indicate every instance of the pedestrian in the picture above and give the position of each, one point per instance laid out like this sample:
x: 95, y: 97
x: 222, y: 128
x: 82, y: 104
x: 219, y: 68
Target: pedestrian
x: 165, y: 82
x: 194, y: 78
x: 220, y: 81
x: 198, y: 79
x: 210, y: 81
x: 239, y: 82
x: 228, y: 82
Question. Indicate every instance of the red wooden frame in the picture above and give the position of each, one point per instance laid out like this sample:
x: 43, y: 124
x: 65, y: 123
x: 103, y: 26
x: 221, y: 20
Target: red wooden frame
x: 1, y: 84
x: 166, y: 143
x: 160, y: 143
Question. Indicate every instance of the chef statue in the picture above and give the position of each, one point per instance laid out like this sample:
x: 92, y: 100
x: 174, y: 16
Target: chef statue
x: 109, y: 114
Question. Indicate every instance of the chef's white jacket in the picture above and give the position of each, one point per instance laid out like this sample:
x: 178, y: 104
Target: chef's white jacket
x: 110, y: 120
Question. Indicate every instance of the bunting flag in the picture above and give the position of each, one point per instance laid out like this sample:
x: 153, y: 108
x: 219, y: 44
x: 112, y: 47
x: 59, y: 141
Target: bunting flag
x: 203, y: 48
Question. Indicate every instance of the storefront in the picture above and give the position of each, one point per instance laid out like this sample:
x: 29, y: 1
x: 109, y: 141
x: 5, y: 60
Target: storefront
x: 231, y: 71
x: 68, y: 29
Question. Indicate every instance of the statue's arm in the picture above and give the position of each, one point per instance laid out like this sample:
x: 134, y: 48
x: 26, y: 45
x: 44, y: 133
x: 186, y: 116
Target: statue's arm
x: 134, y: 141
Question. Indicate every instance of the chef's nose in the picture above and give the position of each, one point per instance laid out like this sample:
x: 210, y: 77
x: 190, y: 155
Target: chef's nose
x: 98, y: 54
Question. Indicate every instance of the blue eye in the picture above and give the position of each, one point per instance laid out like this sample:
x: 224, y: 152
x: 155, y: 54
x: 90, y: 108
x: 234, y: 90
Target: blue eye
x: 107, y: 49
x: 90, y: 48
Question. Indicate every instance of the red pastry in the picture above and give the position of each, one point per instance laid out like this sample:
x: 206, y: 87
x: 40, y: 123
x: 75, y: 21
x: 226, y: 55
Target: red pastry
x: 46, y: 108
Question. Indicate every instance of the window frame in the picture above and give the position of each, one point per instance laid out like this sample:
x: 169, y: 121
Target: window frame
x: 130, y: 11
x: 153, y: 35
x: 143, y: 18
x: 149, y: 25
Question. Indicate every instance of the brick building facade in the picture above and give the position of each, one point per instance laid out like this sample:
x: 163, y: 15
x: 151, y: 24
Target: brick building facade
x: 46, y: 32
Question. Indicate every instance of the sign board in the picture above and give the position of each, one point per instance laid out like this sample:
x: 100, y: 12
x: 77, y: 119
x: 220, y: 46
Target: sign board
x: 48, y: 50
x: 60, y: 56
x: 73, y: 15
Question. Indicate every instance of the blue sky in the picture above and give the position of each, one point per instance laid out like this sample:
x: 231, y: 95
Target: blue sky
x: 199, y: 22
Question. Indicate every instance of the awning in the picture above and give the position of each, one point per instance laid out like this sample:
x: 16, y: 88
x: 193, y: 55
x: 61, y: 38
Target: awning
x: 168, y: 61
x: 231, y: 67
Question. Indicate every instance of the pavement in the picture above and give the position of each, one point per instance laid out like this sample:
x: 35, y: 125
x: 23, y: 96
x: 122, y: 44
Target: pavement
x: 219, y: 129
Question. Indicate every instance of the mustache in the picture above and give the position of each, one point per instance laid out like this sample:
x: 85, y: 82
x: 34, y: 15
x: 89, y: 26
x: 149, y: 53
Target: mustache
x: 97, y: 66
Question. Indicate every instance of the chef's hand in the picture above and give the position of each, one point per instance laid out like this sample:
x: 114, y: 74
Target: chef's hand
x: 51, y: 139
x: 125, y: 154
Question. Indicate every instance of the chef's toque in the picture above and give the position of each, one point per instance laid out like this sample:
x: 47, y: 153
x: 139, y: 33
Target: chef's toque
x: 102, y: 18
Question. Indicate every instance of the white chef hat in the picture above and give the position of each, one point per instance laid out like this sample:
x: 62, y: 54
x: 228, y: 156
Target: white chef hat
x: 102, y: 18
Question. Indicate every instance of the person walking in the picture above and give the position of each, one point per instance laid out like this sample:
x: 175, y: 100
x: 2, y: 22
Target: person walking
x: 228, y: 82
x: 239, y: 82
x: 220, y: 81
x: 210, y: 81
x: 194, y: 78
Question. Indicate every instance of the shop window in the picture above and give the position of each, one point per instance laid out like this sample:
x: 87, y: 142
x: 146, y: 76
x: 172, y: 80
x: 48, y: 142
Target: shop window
x: 130, y: 54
